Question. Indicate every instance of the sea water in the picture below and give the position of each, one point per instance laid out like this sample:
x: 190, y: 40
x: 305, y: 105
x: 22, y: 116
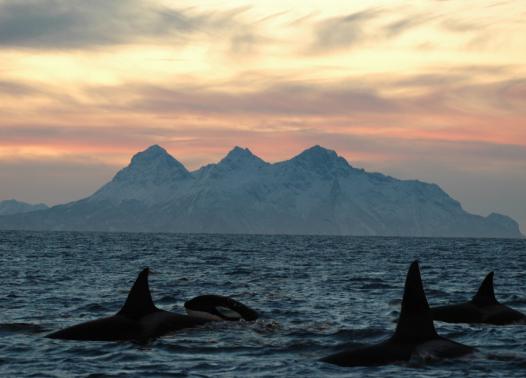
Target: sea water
x: 316, y: 296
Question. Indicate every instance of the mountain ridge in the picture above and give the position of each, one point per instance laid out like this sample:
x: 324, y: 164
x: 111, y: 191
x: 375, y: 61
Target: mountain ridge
x: 315, y: 192
x: 12, y: 206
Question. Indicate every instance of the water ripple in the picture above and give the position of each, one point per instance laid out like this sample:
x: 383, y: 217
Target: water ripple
x: 317, y: 295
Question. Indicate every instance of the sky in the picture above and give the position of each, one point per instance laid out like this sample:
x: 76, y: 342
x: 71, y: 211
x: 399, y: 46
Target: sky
x: 425, y: 89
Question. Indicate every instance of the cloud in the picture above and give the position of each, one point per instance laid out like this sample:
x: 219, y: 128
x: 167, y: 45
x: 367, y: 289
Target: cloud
x: 382, y: 24
x: 461, y: 26
x: 455, y: 93
x: 342, y: 31
x: 406, y: 23
x: 70, y: 24
x: 190, y: 135
x: 79, y: 137
x: 17, y: 89
x: 475, y: 155
x: 278, y: 99
x: 367, y: 26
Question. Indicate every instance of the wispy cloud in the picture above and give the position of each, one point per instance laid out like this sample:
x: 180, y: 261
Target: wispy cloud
x: 16, y: 88
x: 425, y: 93
x: 381, y: 24
x: 278, y: 99
x: 74, y: 24
x: 342, y: 31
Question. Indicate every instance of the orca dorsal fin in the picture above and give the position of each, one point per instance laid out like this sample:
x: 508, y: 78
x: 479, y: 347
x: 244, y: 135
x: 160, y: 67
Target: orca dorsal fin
x: 485, y: 295
x: 139, y: 301
x: 415, y: 322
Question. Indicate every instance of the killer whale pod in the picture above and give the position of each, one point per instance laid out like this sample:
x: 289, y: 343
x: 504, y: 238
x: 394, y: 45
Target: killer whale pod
x: 414, y: 334
x: 138, y: 319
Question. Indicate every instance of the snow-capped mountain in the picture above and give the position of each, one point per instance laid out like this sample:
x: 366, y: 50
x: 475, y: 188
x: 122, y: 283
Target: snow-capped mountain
x: 316, y: 192
x: 152, y: 176
x: 12, y: 206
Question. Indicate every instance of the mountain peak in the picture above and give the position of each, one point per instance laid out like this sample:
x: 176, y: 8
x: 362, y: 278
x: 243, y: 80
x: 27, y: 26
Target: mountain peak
x: 155, y: 148
x: 318, y: 151
x: 320, y: 158
x: 240, y: 152
x: 241, y: 157
x: 151, y: 153
x: 154, y: 164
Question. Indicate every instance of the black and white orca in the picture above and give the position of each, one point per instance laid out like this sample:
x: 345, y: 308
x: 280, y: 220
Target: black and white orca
x: 482, y: 308
x: 218, y: 307
x: 415, y: 334
x: 139, y: 320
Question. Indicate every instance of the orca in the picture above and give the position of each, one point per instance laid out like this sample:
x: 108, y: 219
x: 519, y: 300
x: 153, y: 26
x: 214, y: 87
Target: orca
x: 137, y: 320
x: 482, y: 308
x: 415, y: 334
x: 218, y: 307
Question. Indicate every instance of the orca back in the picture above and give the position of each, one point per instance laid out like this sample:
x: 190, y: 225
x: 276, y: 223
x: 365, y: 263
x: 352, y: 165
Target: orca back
x: 113, y: 328
x: 380, y: 354
x: 219, y: 307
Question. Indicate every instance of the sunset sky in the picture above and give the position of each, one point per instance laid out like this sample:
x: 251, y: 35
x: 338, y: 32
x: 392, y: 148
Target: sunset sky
x: 429, y: 90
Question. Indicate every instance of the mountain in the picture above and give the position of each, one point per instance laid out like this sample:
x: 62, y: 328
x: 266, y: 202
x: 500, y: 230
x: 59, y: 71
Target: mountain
x: 152, y: 175
x: 13, y: 206
x: 315, y: 192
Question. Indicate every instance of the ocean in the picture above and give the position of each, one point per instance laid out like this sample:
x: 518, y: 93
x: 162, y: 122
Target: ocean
x: 316, y: 295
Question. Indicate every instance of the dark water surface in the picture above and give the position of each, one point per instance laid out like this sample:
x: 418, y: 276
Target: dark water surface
x: 317, y: 295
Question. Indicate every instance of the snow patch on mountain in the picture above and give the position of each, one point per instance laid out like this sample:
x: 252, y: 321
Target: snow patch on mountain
x: 152, y: 176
